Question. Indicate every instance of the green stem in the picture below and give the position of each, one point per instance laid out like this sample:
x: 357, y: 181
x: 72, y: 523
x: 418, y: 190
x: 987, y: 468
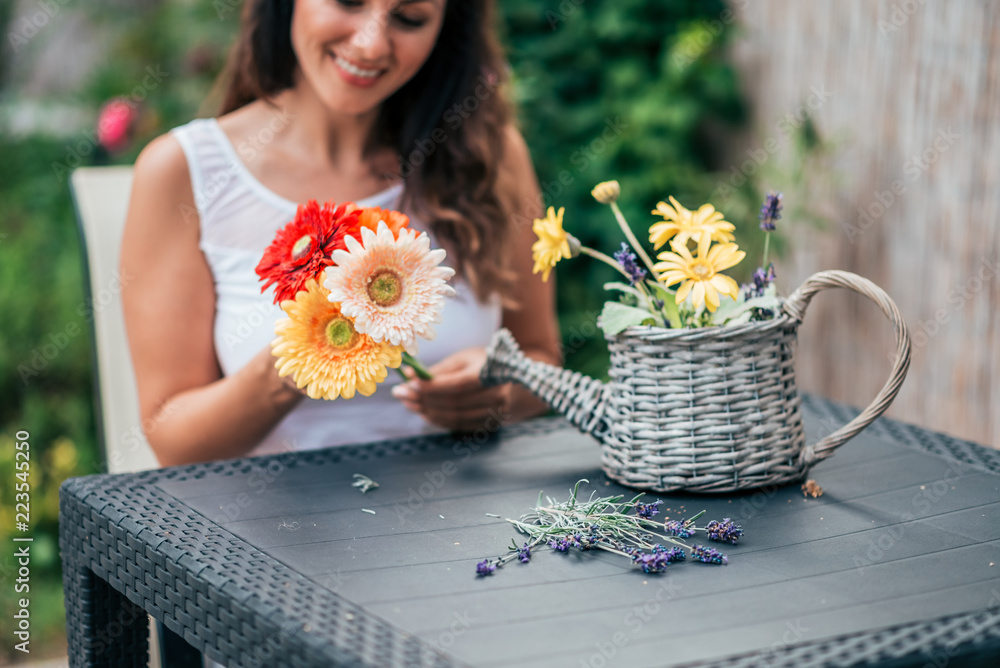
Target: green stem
x: 418, y: 368
x: 767, y: 243
x: 620, y: 217
x: 598, y: 255
x: 611, y: 262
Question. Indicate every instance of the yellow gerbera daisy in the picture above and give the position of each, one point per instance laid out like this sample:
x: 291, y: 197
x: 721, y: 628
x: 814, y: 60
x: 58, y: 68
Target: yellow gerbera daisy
x: 323, y: 352
x: 553, y: 242
x: 700, y: 275
x: 684, y: 224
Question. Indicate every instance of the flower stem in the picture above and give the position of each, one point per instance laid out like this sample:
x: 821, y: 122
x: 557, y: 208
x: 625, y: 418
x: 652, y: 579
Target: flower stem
x: 418, y: 368
x: 620, y: 217
x: 598, y: 255
x: 767, y: 244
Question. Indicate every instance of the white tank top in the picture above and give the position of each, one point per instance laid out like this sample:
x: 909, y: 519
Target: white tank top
x: 238, y: 218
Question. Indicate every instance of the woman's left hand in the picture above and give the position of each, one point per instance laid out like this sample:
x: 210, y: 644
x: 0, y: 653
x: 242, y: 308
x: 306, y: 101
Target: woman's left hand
x: 455, y: 398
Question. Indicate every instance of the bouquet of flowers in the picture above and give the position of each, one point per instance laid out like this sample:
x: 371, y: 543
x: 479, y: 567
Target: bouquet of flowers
x: 700, y: 248
x: 358, y: 287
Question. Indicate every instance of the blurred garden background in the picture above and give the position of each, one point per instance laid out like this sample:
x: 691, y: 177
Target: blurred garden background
x: 879, y: 121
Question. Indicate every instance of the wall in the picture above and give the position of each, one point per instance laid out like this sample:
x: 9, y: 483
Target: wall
x: 906, y: 96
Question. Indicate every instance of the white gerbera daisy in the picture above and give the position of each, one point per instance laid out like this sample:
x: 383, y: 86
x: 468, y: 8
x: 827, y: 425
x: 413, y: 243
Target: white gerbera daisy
x: 393, y: 287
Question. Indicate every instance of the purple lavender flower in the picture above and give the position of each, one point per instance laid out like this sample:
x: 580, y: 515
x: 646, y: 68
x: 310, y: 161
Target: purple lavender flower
x: 628, y: 261
x: 524, y: 554
x: 671, y: 555
x: 647, y: 510
x: 770, y: 211
x: 484, y: 567
x: 761, y: 279
x: 563, y: 544
x: 708, y: 555
x: 654, y: 562
x: 724, y: 531
x: 677, y: 528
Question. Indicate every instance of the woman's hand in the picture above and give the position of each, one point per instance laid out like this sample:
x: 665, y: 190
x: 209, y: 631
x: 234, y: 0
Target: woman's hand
x: 455, y: 398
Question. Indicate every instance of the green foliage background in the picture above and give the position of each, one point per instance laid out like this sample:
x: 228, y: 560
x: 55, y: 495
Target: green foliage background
x: 635, y: 90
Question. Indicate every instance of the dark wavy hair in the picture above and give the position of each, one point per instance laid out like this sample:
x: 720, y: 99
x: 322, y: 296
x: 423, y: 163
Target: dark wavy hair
x: 446, y: 125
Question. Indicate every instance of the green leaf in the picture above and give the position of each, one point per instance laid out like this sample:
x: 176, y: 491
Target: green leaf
x: 669, y: 299
x: 731, y: 312
x: 616, y: 317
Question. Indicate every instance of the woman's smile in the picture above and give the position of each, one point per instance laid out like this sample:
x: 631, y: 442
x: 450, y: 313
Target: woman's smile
x: 355, y: 74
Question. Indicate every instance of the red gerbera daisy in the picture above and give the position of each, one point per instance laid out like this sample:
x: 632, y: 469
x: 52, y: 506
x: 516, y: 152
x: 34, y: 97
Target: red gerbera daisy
x: 302, y: 248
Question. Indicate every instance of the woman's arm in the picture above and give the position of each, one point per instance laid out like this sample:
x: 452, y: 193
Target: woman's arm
x: 190, y: 411
x: 455, y: 399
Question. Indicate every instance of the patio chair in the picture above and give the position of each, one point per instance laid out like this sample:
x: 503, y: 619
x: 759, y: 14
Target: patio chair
x: 101, y: 196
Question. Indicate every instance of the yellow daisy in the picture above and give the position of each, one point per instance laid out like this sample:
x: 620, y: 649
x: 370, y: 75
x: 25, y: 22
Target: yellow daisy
x: 700, y: 275
x: 323, y: 352
x: 684, y: 224
x: 553, y: 242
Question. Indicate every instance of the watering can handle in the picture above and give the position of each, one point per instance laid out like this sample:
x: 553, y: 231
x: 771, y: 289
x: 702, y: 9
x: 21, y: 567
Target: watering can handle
x: 795, y: 307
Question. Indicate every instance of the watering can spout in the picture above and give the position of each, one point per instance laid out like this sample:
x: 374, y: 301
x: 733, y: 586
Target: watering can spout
x: 580, y: 399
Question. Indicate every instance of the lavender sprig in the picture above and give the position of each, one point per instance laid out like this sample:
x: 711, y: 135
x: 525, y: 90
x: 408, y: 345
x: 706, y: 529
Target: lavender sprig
x: 708, y: 555
x: 613, y: 525
x: 630, y: 263
x: 724, y: 531
x: 647, y: 510
x: 770, y: 212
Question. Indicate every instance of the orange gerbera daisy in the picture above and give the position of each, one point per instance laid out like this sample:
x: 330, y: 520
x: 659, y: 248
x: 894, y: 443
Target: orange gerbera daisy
x: 369, y: 217
x: 324, y: 353
x: 302, y: 248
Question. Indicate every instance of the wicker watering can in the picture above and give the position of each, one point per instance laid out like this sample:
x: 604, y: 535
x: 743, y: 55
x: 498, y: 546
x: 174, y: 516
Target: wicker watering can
x: 702, y: 410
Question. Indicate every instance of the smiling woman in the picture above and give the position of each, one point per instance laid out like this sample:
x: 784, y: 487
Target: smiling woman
x: 342, y: 101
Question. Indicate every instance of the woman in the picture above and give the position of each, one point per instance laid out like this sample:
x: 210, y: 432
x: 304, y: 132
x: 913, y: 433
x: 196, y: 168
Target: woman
x: 392, y: 103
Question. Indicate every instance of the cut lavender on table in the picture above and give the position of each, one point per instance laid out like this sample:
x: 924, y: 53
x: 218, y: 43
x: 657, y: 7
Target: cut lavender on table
x: 611, y: 524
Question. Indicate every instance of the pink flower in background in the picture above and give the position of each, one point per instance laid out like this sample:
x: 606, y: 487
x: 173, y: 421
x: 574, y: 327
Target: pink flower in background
x: 114, y: 124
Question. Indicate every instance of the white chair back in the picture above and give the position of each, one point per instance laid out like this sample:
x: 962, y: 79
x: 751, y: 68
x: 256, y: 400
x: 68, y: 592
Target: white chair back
x: 101, y: 196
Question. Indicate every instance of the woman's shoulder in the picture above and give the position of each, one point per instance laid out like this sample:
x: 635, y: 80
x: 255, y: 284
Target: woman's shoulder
x: 163, y: 161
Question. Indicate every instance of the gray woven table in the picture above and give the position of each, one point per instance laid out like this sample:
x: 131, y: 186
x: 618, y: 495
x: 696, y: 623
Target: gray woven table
x: 272, y: 562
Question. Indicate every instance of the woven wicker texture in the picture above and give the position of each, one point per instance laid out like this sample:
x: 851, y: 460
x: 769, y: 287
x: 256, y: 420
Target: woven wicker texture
x: 702, y: 410
x: 128, y: 545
